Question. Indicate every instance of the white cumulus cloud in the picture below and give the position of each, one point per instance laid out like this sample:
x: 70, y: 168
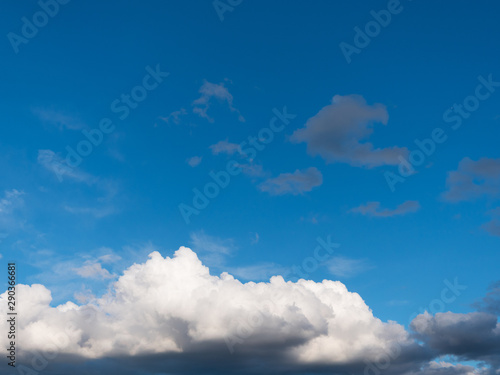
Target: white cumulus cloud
x: 174, y: 305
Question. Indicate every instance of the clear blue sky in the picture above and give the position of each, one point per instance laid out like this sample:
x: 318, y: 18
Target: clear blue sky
x: 352, y: 118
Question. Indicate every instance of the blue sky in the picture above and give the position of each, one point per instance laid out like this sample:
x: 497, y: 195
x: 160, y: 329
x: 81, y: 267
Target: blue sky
x: 174, y: 88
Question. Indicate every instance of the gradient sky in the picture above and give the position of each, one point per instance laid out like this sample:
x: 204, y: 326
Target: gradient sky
x: 175, y: 87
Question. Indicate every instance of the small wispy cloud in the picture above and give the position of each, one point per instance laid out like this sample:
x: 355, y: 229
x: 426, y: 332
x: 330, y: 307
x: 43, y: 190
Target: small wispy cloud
x: 108, y: 256
x: 213, y: 250
x: 493, y: 226
x: 373, y: 209
x: 174, y: 116
x: 57, y: 165
x: 253, y: 170
x: 194, y: 161
x: 58, y: 119
x: 346, y: 267
x: 84, y: 296
x: 295, y: 183
x: 203, y: 242
x: 97, y: 212
x: 314, y: 218
x: 473, y: 179
x: 10, y: 216
x: 11, y: 199
x: 211, y: 91
x: 225, y: 147
x: 92, y: 269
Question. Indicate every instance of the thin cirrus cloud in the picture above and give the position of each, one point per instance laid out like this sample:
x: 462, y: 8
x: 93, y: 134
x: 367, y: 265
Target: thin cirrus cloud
x: 174, y: 116
x: 58, y: 119
x: 57, y: 165
x: 204, y: 242
x: 107, y: 189
x: 10, y: 205
x: 213, y: 250
x: 373, y: 209
x: 340, y: 131
x: 97, y: 212
x: 340, y: 266
x: 11, y: 199
x: 295, y: 183
x: 215, y: 91
x: 162, y: 314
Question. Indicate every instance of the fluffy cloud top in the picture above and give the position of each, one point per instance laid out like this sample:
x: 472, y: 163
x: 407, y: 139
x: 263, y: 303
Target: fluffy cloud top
x: 339, y: 132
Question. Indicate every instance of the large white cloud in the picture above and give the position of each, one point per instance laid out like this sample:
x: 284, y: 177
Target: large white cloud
x: 174, y: 305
